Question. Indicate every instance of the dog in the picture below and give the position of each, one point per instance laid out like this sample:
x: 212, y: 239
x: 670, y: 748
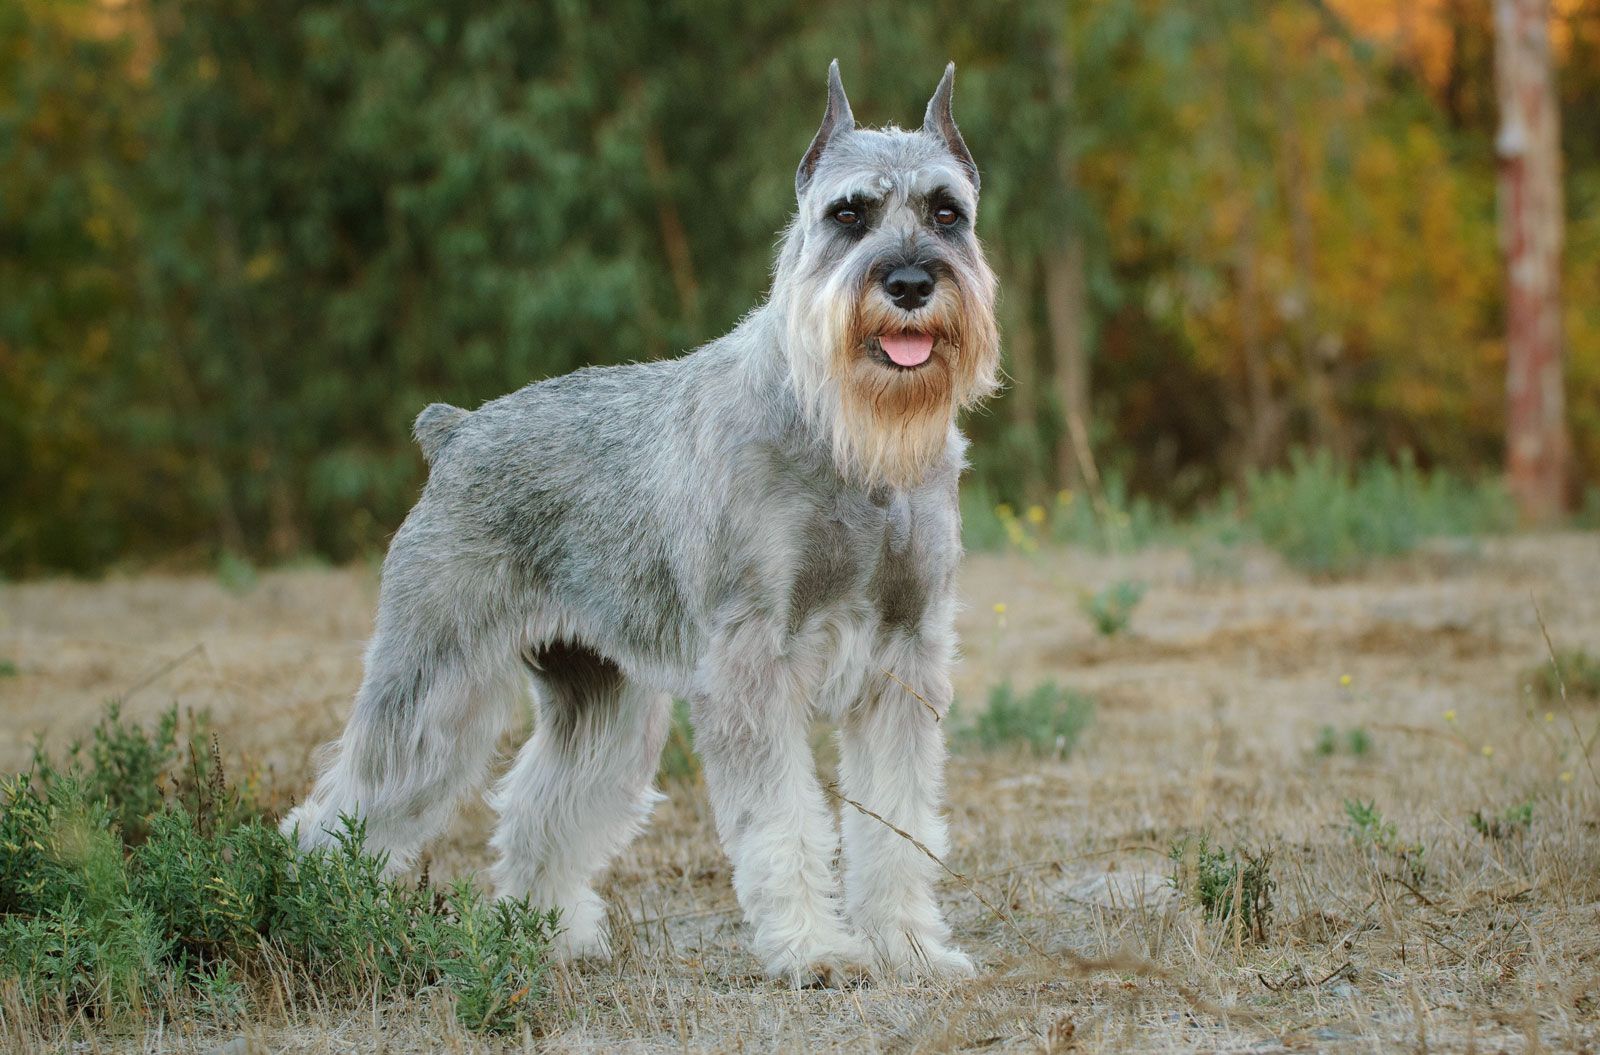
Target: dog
x: 767, y: 527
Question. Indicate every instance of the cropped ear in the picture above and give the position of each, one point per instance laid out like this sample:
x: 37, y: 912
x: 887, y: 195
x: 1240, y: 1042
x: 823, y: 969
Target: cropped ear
x: 940, y: 122
x: 836, y: 120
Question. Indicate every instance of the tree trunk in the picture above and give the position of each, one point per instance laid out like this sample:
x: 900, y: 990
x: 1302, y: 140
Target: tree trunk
x: 1528, y: 147
x: 1021, y: 346
x: 1263, y: 442
x: 1067, y: 310
x: 1066, y: 294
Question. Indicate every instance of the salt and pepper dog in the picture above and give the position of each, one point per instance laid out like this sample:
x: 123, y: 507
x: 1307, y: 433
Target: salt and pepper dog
x: 766, y: 527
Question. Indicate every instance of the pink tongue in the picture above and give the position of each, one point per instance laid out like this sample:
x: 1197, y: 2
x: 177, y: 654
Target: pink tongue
x: 907, y: 349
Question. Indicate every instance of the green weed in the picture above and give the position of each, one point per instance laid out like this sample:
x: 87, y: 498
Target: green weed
x: 1226, y: 884
x: 1048, y: 720
x: 1512, y: 821
x: 678, y: 760
x: 1368, y: 828
x: 1355, y: 741
x: 1579, y: 671
x: 1326, y: 519
x: 1110, y: 608
x: 128, y: 873
x: 236, y: 574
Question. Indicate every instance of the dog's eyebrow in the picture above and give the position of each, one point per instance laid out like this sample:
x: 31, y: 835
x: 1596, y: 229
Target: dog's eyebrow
x: 855, y: 199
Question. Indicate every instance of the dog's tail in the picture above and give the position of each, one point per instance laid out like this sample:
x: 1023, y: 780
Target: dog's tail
x: 434, y: 427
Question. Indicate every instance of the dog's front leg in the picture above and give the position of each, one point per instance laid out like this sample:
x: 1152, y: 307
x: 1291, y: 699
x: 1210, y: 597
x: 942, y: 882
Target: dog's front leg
x: 775, y: 824
x: 892, y: 754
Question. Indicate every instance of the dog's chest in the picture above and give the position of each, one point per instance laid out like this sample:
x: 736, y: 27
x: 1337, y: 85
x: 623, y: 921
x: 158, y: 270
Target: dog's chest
x: 869, y: 559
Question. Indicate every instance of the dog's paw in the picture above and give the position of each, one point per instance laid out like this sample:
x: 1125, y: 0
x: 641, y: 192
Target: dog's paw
x: 911, y: 958
x: 592, y: 945
x: 581, y: 933
x: 838, y: 962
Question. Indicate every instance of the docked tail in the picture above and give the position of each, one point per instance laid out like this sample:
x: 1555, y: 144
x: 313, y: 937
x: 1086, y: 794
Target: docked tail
x: 434, y: 427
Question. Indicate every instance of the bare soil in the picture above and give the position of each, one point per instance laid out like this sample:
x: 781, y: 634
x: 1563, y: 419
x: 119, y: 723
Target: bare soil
x: 1209, y: 712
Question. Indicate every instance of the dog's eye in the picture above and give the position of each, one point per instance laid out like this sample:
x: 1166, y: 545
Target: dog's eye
x: 846, y: 217
x: 944, y: 216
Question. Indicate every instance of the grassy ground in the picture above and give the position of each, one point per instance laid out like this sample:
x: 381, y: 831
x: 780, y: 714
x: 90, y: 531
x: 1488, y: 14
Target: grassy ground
x: 1348, y: 730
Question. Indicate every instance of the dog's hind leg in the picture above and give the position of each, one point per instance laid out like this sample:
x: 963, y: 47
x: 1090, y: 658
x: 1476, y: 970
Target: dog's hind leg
x: 434, y: 698
x: 580, y: 790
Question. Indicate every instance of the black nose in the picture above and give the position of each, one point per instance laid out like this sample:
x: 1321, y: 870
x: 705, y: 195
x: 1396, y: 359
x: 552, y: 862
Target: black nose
x: 909, y: 287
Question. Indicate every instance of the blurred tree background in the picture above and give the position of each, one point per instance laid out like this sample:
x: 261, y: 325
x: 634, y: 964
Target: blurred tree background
x: 243, y: 242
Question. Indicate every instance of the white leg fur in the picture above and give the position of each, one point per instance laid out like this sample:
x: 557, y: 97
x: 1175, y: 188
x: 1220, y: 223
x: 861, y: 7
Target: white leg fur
x: 403, y: 765
x: 892, y: 755
x: 580, y: 791
x: 777, y: 830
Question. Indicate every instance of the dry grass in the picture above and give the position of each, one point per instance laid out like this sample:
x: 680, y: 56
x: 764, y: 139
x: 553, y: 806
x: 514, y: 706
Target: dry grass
x: 1209, y: 713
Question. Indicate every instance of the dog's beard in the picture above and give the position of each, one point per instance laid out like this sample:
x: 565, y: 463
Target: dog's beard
x: 890, y: 424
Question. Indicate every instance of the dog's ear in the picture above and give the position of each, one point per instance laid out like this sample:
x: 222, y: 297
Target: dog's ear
x: 836, y: 120
x: 940, y: 122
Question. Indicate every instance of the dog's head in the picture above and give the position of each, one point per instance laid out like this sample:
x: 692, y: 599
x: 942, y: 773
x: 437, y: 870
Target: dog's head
x: 888, y: 297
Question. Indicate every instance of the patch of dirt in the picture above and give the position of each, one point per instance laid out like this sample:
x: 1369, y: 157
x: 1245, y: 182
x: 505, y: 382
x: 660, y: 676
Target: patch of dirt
x: 1210, y: 717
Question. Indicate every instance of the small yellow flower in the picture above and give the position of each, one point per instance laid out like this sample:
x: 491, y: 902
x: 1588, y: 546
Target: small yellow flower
x: 1566, y: 776
x: 1344, y: 679
x: 999, y: 608
x: 1549, y: 716
x: 1488, y: 750
x: 1064, y: 497
x: 1450, y: 715
x: 1004, y: 511
x: 1036, y: 514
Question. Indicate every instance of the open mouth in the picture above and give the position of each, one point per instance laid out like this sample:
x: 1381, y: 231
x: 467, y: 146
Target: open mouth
x: 904, y: 350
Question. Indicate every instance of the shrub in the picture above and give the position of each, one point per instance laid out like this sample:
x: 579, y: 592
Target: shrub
x: 1512, y: 821
x: 1356, y: 741
x: 1116, y: 522
x: 1579, y: 671
x: 1047, y: 721
x: 1110, y: 608
x: 678, y: 760
x: 982, y: 528
x: 1325, y: 519
x: 1368, y: 827
x: 209, y: 895
x: 1226, y: 884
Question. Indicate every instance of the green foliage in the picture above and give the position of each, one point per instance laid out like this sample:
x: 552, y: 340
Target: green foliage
x: 123, y: 766
x: 1110, y: 608
x: 1327, y: 520
x: 8, y: 668
x: 1355, y: 741
x: 678, y: 760
x: 1579, y: 672
x: 1047, y: 721
x: 983, y: 529
x: 1512, y: 821
x: 210, y: 897
x: 237, y: 575
x: 1367, y: 826
x: 1215, y: 541
x: 1116, y: 521
x: 242, y: 245
x: 1227, y: 884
